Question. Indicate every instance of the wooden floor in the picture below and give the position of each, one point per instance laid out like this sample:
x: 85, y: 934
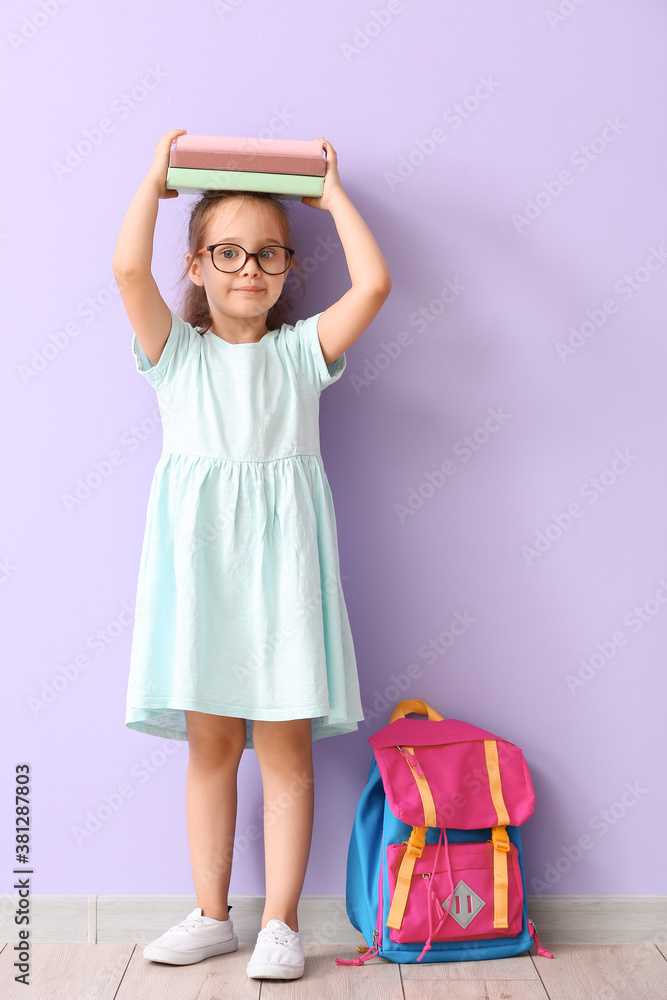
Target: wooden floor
x: 120, y: 972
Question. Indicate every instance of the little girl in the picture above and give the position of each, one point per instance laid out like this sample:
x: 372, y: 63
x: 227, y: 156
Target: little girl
x: 241, y: 637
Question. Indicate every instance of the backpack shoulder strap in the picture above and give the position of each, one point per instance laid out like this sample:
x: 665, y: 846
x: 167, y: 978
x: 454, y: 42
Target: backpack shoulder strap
x: 495, y: 784
x: 430, y: 818
x: 501, y: 842
x: 415, y: 846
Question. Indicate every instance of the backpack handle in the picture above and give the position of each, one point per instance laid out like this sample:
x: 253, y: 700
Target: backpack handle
x: 415, y: 705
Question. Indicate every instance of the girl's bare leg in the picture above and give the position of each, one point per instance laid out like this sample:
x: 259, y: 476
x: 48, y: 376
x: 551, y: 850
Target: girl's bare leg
x: 215, y: 746
x: 285, y: 754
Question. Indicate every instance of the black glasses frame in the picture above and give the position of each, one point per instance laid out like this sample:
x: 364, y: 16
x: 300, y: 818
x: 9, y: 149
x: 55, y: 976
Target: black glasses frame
x: 247, y: 254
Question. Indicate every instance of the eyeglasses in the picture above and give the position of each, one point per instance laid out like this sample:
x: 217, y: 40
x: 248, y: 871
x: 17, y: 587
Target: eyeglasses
x: 225, y: 256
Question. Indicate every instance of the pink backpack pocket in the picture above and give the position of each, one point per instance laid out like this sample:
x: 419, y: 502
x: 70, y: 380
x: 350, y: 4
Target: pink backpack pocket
x: 471, y: 912
x: 452, y: 766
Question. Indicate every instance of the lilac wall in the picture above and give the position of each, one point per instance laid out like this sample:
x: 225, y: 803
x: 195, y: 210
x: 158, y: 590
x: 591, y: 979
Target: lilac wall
x: 503, y: 463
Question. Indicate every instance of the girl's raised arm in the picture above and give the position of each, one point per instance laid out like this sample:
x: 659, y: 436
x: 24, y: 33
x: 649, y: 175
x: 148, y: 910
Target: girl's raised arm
x: 344, y: 322
x: 147, y: 311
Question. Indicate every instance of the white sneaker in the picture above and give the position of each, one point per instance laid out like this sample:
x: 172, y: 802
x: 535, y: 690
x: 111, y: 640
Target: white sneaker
x: 278, y: 953
x: 195, y: 938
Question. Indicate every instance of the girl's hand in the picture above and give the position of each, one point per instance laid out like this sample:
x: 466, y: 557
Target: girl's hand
x: 158, y: 169
x: 332, y: 183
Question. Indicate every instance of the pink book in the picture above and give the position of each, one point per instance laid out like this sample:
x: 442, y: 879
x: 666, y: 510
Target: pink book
x: 278, y: 156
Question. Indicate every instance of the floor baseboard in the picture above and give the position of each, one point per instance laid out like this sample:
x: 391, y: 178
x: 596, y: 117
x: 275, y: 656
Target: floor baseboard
x: 322, y: 919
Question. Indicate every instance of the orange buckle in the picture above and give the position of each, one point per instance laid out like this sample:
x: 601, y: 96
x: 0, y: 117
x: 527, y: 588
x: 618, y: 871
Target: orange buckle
x: 500, y: 840
x: 415, y: 844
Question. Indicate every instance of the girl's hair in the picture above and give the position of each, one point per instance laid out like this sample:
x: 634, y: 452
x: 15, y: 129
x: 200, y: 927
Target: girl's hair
x: 194, y: 304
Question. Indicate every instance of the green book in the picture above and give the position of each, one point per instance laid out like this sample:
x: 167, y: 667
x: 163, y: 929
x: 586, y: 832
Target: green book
x: 192, y: 180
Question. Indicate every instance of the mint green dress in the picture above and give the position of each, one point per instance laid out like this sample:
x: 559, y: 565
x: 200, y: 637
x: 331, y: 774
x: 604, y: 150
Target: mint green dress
x: 240, y: 609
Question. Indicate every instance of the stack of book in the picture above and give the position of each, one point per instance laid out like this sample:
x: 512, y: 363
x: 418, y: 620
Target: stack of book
x: 288, y: 168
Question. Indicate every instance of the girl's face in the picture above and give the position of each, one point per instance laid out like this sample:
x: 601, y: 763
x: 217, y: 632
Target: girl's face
x: 251, y: 227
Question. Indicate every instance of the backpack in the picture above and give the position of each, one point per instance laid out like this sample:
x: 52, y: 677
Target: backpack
x: 435, y: 865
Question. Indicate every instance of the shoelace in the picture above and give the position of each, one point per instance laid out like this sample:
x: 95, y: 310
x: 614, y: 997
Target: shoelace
x: 273, y: 936
x: 188, y: 924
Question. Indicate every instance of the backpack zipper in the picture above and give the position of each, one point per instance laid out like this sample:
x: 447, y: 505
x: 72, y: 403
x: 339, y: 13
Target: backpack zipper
x: 412, y: 761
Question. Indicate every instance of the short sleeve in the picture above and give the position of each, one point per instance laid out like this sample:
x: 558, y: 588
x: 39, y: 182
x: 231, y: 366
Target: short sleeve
x: 179, y: 347
x: 303, y: 343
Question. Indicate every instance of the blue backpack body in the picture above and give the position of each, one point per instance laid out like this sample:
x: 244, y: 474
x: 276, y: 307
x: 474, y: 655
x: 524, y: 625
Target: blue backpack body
x: 375, y: 828
x: 375, y: 824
